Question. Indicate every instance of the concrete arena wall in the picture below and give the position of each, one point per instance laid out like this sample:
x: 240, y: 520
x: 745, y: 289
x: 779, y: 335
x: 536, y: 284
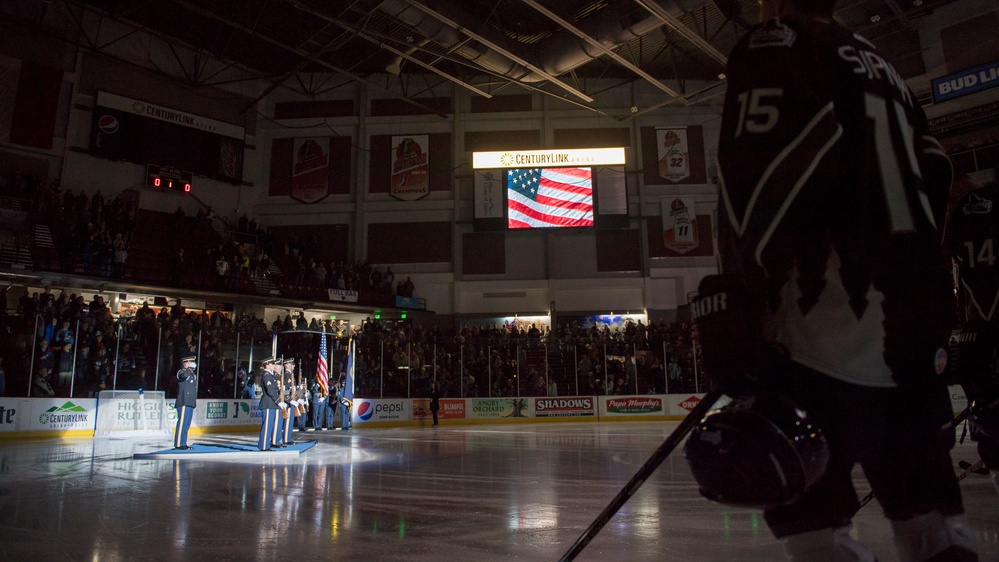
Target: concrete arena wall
x: 77, y: 417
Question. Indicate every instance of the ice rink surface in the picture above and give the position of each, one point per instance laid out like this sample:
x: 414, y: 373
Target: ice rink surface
x: 452, y: 494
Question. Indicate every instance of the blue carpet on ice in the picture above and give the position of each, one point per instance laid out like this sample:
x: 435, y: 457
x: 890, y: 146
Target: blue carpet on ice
x: 206, y: 451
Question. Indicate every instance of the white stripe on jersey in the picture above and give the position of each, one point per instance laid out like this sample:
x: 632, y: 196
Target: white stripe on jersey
x: 971, y: 294
x: 807, y: 148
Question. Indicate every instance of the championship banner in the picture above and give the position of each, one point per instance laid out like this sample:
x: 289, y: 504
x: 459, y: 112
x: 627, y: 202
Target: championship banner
x: 489, y: 195
x: 674, y: 153
x: 310, y: 175
x: 230, y: 158
x: 679, y: 224
x: 410, y: 167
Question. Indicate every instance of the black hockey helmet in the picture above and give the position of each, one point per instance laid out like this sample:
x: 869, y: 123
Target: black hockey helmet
x: 757, y: 451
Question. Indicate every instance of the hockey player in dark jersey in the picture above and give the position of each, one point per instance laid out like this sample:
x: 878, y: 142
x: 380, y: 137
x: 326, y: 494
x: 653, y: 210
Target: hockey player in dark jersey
x: 972, y: 231
x: 830, y: 210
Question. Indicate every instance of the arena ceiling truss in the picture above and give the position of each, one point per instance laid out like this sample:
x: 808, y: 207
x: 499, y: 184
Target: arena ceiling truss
x: 568, y: 49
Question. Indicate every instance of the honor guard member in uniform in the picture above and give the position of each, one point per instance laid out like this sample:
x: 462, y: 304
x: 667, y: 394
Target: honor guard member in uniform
x: 187, y: 395
x: 303, y: 403
x: 343, y: 402
x: 268, y: 404
x: 831, y: 200
x: 291, y: 396
x: 277, y: 438
x: 318, y: 405
x: 331, y: 407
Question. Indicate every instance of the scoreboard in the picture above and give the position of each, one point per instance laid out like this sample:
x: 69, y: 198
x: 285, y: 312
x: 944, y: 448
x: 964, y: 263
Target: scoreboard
x: 168, y: 178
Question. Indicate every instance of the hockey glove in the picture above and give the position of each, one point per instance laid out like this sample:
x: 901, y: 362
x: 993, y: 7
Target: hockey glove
x: 729, y: 319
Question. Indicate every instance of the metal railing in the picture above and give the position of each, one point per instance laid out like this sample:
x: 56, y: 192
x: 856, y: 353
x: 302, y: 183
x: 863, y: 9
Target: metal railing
x: 387, y: 365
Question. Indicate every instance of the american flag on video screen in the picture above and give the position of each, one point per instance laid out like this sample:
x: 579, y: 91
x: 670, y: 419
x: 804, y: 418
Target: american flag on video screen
x: 547, y: 197
x: 323, y: 369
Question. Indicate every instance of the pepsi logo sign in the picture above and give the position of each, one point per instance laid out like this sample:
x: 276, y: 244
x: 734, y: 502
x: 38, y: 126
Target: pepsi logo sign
x: 365, y: 411
x: 108, y: 124
x: 380, y: 410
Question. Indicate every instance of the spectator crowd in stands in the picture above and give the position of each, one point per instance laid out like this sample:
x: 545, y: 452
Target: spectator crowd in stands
x: 104, y: 238
x: 69, y: 343
x: 62, y: 342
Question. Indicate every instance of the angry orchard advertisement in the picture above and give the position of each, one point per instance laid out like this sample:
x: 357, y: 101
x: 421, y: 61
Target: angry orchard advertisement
x: 495, y: 408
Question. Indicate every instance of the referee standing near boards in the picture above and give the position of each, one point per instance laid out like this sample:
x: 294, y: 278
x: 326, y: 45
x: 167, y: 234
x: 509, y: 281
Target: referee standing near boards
x: 187, y: 396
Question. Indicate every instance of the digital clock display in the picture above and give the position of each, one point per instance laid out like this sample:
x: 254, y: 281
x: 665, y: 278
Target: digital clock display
x: 165, y: 177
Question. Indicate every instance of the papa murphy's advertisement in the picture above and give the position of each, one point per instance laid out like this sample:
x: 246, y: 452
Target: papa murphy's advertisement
x: 634, y: 405
x: 575, y: 406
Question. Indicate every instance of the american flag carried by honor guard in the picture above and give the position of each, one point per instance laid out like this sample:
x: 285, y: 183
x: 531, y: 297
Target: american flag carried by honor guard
x: 322, y: 368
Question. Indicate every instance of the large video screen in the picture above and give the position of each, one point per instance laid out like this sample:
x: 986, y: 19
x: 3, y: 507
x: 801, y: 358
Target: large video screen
x: 549, y: 197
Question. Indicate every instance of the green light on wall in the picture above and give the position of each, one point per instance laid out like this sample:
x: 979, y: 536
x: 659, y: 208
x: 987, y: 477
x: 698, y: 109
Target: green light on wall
x: 403, y: 315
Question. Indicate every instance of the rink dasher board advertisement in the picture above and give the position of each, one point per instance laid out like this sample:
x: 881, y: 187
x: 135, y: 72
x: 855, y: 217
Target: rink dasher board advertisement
x: 634, y: 406
x: 565, y: 407
x: 207, y: 413
x: 47, y: 414
x: 384, y: 410
x: 61, y: 415
x: 220, y: 413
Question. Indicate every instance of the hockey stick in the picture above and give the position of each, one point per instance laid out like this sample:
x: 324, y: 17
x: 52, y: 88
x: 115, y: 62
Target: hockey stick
x: 657, y: 458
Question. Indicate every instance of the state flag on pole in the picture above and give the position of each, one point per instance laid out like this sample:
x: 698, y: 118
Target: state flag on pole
x: 323, y: 368
x: 347, y: 393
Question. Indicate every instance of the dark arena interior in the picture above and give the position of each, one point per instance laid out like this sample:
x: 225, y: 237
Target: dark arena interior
x: 437, y: 264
